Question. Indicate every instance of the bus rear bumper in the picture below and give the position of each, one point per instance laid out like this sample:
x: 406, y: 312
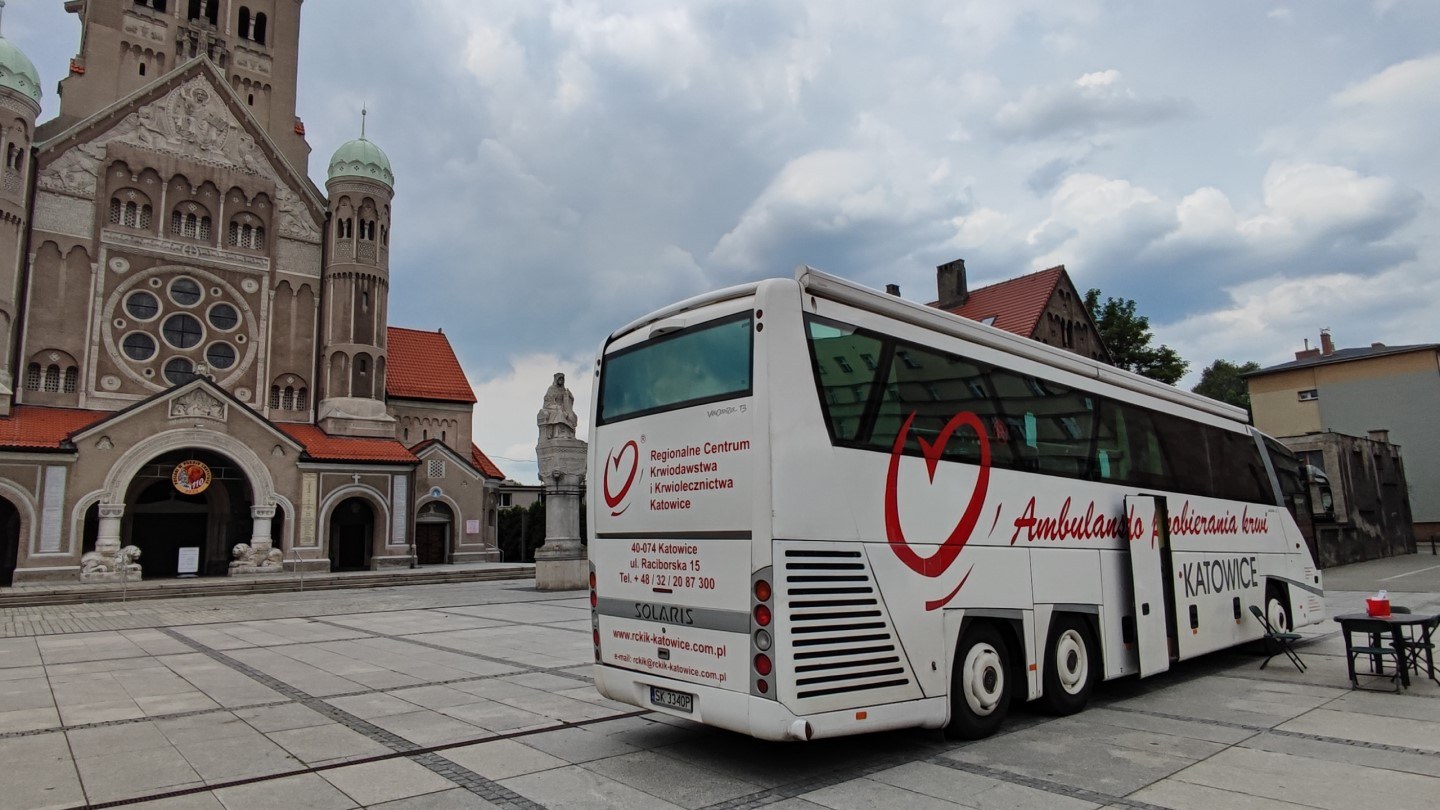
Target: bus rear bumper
x: 762, y: 718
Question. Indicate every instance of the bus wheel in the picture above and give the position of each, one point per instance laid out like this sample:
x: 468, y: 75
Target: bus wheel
x: 1276, y: 609
x: 979, y: 684
x: 1069, y: 666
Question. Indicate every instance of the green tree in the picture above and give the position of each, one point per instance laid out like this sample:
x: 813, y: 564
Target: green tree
x: 1127, y: 336
x: 1225, y: 381
x: 520, y: 530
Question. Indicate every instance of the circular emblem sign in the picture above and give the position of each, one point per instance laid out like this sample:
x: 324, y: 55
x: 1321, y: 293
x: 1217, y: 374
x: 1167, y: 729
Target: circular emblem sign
x: 191, y: 477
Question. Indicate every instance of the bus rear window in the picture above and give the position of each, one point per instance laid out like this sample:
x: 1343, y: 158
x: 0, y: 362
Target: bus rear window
x: 704, y: 363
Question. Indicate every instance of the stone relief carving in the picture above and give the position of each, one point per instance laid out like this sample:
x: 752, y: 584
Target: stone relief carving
x: 197, y: 403
x: 192, y: 122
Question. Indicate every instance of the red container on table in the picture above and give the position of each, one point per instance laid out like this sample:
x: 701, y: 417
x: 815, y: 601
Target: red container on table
x: 1379, y: 608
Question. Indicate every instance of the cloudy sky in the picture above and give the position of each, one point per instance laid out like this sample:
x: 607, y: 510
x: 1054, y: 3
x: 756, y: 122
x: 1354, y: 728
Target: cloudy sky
x: 1249, y: 171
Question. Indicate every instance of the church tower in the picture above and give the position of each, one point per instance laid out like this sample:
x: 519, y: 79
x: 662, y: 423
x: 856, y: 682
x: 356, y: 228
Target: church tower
x: 356, y: 292
x: 19, y: 107
x: 127, y: 45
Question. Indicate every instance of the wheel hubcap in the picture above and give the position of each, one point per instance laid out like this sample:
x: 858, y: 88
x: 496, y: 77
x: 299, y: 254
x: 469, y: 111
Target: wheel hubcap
x: 1072, y: 666
x: 1279, y: 619
x: 982, y: 679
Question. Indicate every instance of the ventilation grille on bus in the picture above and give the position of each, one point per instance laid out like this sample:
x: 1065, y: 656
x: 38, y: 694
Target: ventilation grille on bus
x: 842, y: 639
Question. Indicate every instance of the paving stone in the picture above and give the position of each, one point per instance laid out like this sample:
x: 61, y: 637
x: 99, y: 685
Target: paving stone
x: 502, y: 759
x: 682, y: 783
x: 1314, y: 783
x: 328, y: 743
x: 307, y: 792
x: 377, y: 782
x: 576, y: 787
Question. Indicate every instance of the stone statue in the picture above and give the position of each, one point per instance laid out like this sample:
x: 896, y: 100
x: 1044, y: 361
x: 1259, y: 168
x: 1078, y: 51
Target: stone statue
x: 250, y: 559
x: 557, y: 418
x: 98, y: 562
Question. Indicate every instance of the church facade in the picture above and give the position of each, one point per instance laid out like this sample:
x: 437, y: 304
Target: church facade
x: 197, y: 373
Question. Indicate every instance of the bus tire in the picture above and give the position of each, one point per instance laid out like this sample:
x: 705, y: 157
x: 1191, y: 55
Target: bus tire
x: 1071, y: 667
x: 980, y: 684
x: 1277, y: 606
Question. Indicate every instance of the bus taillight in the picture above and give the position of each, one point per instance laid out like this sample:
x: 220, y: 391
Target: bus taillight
x: 762, y: 665
x: 761, y: 616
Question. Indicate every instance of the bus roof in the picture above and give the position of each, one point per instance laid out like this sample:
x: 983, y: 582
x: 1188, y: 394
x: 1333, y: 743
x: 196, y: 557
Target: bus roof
x: 824, y: 285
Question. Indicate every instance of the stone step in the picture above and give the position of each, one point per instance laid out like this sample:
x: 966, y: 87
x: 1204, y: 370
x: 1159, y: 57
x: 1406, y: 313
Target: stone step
x: 35, y: 596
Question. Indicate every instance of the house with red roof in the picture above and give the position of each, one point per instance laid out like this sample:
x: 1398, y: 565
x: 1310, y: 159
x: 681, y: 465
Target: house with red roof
x: 197, y: 373
x: 1043, y: 306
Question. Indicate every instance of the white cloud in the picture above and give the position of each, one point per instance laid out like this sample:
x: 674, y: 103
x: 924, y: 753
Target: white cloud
x: 1091, y: 103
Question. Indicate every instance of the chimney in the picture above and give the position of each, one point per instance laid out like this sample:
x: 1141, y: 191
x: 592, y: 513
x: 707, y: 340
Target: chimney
x: 1381, y: 435
x: 950, y: 284
x: 892, y: 289
x: 1327, y: 346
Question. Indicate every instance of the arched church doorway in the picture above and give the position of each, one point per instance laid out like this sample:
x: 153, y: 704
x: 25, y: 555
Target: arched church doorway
x: 434, y: 526
x: 9, y: 542
x: 182, y: 514
x: 352, y: 531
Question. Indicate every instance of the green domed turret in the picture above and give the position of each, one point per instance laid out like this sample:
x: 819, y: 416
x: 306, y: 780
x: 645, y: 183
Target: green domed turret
x: 361, y: 158
x: 17, y: 72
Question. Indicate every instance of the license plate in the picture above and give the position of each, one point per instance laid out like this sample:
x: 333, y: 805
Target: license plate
x: 670, y: 699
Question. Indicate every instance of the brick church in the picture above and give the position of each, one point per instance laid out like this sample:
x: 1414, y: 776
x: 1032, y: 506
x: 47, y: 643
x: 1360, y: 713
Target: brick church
x: 195, y: 357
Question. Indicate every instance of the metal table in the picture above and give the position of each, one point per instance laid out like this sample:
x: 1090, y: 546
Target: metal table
x: 1394, y: 623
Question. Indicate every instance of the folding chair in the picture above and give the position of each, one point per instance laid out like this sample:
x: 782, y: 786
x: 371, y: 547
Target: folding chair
x: 1419, y: 647
x: 1278, y: 642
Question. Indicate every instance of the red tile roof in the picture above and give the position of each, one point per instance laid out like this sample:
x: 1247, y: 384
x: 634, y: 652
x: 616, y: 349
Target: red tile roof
x: 1015, y: 304
x: 483, y: 463
x: 32, y: 427
x: 421, y: 365
x: 321, y: 446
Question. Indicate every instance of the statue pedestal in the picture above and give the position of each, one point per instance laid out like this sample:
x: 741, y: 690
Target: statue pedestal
x: 561, y: 565
x: 109, y: 578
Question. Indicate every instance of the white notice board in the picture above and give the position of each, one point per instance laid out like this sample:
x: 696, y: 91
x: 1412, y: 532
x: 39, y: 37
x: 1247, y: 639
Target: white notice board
x: 188, y: 561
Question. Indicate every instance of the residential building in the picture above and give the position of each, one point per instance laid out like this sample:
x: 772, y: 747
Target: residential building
x: 1359, y: 505
x: 1394, y: 389
x: 1043, y: 306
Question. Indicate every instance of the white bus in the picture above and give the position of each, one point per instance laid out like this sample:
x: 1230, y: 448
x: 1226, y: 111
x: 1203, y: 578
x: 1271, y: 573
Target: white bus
x: 816, y: 509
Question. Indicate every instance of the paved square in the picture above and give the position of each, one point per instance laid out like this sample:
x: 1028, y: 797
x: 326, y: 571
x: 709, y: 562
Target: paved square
x: 479, y: 695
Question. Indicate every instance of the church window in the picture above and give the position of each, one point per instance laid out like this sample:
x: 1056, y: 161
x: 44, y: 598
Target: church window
x: 220, y: 355
x: 244, y: 22
x: 362, y: 366
x: 275, y: 397
x: 72, y: 375
x: 250, y: 99
x: 179, y: 370
x: 385, y: 235
x: 139, y: 346
x: 52, y: 379
x: 364, y: 305
x: 142, y: 68
x: 302, y: 399
x: 257, y: 239
x: 115, y: 209
x: 287, y: 399
x: 234, y: 234
x: 224, y: 317
x: 435, y: 468
x: 182, y: 331
x: 32, y: 377
x: 259, y: 32
x: 185, y: 291
x: 142, y: 305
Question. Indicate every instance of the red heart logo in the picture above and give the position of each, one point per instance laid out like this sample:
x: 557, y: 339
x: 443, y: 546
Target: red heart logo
x: 939, y: 562
x: 614, y: 500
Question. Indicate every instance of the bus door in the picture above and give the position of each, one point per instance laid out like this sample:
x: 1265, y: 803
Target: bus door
x: 1150, y: 574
